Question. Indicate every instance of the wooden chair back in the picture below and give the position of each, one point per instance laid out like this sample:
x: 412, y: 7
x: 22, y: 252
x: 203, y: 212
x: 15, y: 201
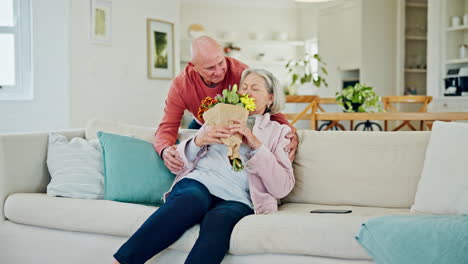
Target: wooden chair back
x: 389, y: 103
x: 319, y: 103
x: 303, y: 115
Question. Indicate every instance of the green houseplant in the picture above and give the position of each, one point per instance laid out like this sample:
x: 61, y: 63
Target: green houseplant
x: 302, y: 74
x: 359, y: 98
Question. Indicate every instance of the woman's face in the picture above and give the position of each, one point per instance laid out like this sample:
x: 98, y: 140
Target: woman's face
x: 255, y: 85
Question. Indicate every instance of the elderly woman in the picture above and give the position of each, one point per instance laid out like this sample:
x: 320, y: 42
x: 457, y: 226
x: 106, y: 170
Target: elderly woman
x: 209, y: 192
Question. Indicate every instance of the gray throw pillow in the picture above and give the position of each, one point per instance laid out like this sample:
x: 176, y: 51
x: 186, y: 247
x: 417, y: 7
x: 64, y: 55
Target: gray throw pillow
x: 76, y: 168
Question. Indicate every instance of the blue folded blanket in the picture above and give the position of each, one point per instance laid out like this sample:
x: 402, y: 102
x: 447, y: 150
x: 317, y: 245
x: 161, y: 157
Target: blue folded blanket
x: 416, y: 239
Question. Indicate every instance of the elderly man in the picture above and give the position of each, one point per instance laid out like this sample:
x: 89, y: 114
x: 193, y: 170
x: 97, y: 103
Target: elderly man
x: 207, y: 74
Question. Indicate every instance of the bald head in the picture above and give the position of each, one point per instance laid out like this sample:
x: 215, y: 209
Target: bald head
x: 204, y: 47
x: 208, y: 60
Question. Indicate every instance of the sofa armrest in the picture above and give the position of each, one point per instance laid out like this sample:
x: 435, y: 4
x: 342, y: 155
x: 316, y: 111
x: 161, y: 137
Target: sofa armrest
x: 23, y: 165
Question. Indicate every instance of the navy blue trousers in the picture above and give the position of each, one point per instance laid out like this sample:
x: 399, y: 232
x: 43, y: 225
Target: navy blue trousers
x: 189, y: 203
x: 194, y: 125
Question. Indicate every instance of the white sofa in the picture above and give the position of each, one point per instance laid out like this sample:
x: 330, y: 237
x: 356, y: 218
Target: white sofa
x: 372, y: 173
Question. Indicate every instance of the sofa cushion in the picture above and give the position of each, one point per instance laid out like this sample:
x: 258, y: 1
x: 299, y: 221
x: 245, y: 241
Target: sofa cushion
x: 76, y: 167
x: 294, y: 230
x: 443, y: 188
x: 291, y: 230
x: 140, y: 132
x: 114, y: 127
x: 416, y: 239
x: 133, y: 170
x: 82, y: 215
x: 379, y: 169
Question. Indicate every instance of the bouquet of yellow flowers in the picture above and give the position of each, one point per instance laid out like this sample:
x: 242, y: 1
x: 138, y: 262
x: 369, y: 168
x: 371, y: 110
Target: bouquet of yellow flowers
x: 221, y: 111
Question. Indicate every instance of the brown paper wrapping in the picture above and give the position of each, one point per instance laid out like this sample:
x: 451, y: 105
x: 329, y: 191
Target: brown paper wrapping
x: 222, y: 115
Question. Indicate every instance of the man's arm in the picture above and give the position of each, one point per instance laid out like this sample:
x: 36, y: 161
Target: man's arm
x: 280, y: 118
x: 166, y: 134
x: 292, y: 147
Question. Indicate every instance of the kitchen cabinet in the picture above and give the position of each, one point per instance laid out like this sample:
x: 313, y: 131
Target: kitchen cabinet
x: 412, y: 47
x: 447, y: 37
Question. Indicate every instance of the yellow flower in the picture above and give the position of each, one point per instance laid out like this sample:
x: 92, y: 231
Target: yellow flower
x: 249, y: 103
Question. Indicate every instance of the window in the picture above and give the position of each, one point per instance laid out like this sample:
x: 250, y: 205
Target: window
x: 15, y: 50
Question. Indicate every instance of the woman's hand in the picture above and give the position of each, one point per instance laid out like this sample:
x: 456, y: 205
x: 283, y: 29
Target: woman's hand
x: 249, y: 138
x: 212, y: 134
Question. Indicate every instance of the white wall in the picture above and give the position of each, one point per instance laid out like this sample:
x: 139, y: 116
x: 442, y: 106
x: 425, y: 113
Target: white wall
x: 307, y: 20
x: 50, y: 108
x: 340, y: 40
x: 241, y: 19
x: 359, y: 34
x: 379, y: 45
x: 75, y: 80
x: 109, y: 82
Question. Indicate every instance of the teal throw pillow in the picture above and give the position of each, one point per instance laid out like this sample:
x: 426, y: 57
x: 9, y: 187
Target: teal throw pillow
x: 133, y: 171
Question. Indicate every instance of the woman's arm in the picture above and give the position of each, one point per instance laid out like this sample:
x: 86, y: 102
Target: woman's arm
x: 193, y: 148
x: 272, y: 166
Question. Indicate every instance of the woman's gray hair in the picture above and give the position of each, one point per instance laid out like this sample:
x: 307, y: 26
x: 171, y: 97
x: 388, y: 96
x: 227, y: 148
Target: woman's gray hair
x: 273, y: 86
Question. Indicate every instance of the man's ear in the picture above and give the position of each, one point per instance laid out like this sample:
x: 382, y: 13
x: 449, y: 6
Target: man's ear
x: 194, y: 66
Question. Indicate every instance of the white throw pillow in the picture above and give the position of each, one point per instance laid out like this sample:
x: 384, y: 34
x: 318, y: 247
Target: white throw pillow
x: 76, y: 168
x: 443, y: 187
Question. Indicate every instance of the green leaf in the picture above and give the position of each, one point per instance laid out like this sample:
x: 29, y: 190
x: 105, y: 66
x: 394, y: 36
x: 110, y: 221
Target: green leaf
x: 324, y: 70
x: 294, y: 78
x: 355, y: 98
x: 237, y: 164
x: 234, y: 88
x: 234, y: 98
x: 303, y: 79
x: 316, y: 82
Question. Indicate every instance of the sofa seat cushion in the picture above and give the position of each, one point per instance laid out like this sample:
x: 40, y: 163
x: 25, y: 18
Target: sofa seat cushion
x: 294, y: 230
x: 291, y: 230
x: 81, y: 215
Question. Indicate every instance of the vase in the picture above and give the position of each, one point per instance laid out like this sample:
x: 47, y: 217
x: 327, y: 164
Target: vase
x: 307, y: 89
x: 354, y: 106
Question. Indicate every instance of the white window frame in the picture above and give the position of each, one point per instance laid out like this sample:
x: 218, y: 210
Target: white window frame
x: 21, y: 29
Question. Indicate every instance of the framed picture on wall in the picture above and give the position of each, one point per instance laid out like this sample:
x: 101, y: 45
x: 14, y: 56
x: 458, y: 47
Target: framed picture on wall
x: 160, y: 37
x: 101, y: 23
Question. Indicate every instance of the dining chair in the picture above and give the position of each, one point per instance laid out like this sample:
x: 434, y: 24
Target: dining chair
x: 320, y: 103
x: 389, y: 103
x: 306, y: 113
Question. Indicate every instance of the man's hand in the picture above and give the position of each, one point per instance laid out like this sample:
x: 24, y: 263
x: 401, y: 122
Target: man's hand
x: 172, y: 159
x: 292, y: 147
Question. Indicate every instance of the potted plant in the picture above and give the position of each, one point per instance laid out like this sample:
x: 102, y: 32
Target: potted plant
x: 302, y: 74
x: 359, y: 98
